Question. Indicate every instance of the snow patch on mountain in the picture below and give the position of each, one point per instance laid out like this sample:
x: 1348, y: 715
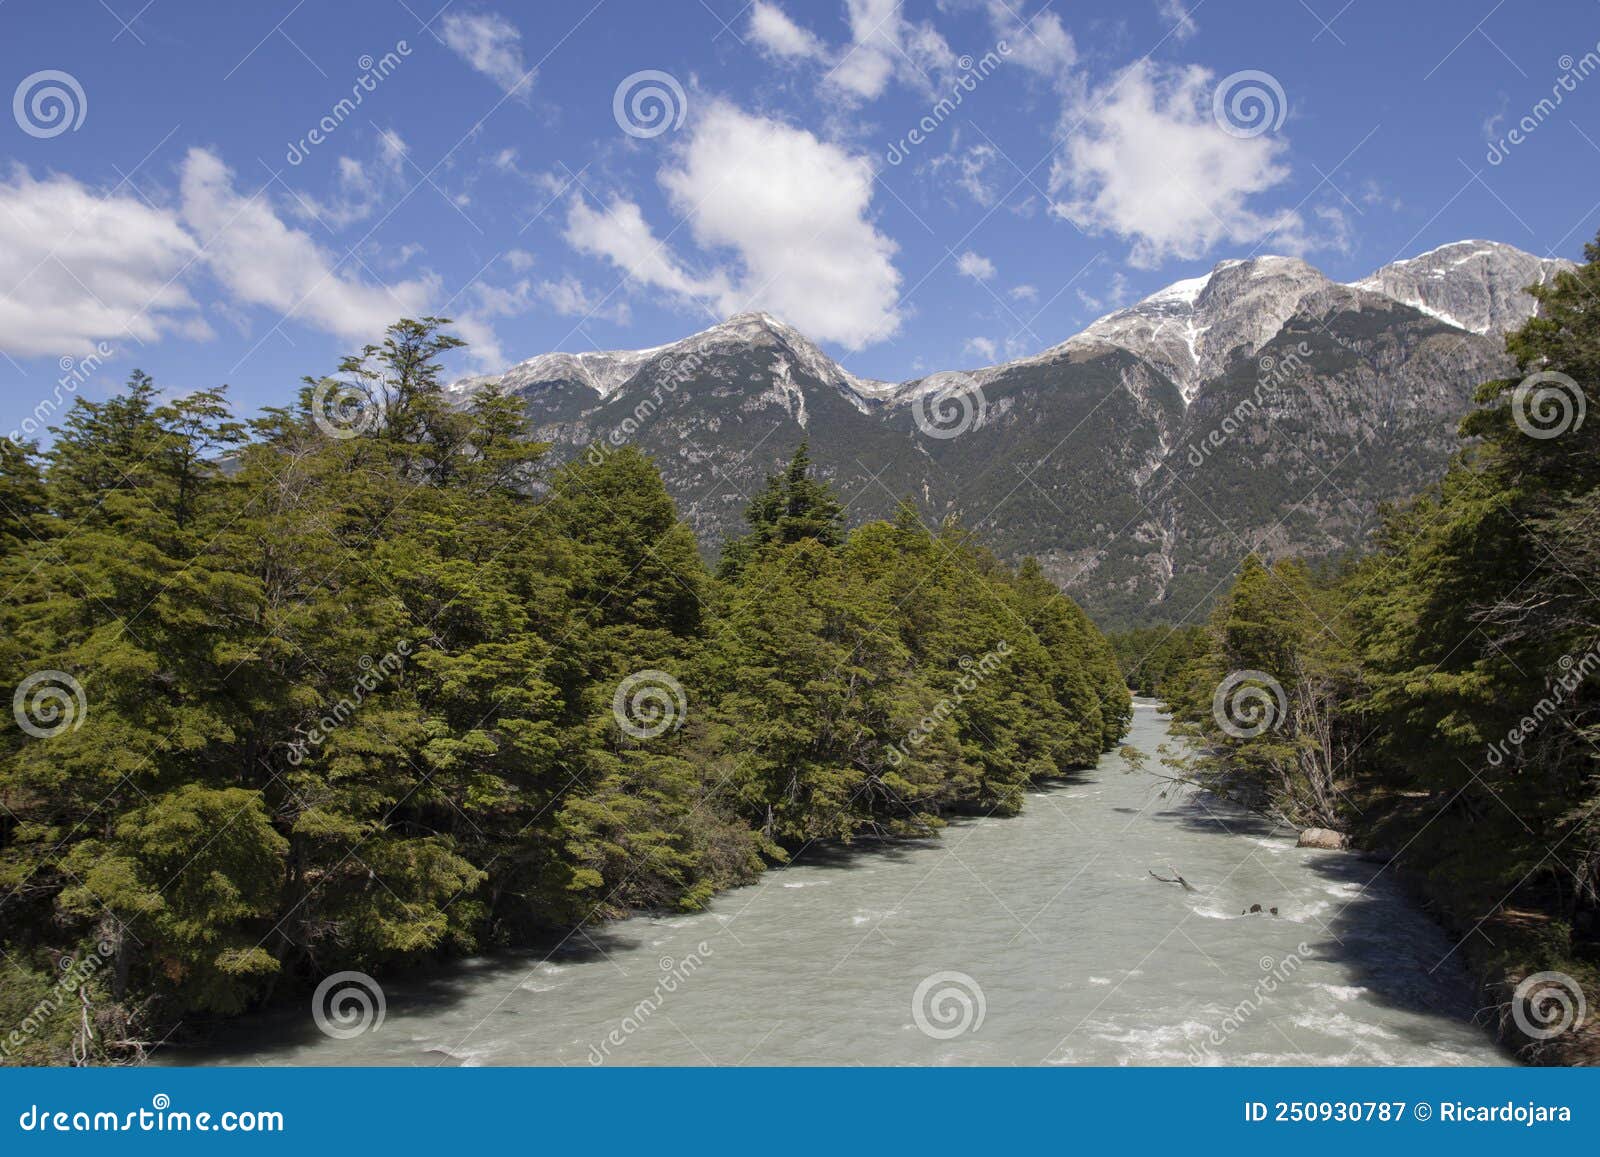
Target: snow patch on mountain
x: 1189, y: 331
x: 607, y: 371
x: 1479, y: 286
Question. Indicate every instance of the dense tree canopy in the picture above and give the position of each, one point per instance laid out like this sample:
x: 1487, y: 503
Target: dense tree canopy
x: 1440, y: 698
x: 364, y: 682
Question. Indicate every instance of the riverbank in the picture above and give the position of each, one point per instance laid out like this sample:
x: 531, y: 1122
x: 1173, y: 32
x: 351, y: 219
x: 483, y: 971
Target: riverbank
x: 1035, y: 939
x: 1500, y: 951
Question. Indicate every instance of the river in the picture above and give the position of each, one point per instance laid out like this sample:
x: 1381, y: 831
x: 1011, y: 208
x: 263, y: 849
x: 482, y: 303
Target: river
x: 1040, y: 939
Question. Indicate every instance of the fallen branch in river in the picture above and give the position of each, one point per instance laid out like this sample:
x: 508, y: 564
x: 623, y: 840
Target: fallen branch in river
x: 1172, y: 879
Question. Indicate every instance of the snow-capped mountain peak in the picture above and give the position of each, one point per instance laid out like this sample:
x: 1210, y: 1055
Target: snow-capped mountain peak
x: 1475, y: 285
x: 608, y: 371
x: 1190, y: 329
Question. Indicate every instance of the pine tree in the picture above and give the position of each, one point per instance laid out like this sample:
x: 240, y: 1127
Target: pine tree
x: 790, y: 507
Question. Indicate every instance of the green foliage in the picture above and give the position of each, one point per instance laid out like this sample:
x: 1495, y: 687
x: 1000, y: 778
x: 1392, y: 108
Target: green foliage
x: 791, y: 507
x: 1441, y: 697
x: 1152, y: 659
x: 351, y: 677
x: 1269, y: 696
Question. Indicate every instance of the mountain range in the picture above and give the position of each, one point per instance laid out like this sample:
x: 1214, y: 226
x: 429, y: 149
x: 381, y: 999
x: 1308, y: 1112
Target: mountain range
x: 1262, y: 406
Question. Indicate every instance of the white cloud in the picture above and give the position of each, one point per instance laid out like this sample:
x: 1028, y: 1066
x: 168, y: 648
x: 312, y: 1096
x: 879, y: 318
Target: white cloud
x: 501, y: 300
x: 795, y: 211
x: 786, y: 215
x: 972, y: 170
x: 78, y: 267
x: 620, y: 234
x: 262, y: 261
x: 1179, y: 18
x: 1336, y: 232
x: 885, y: 45
x: 975, y: 266
x: 771, y: 28
x: 1114, y: 295
x: 1145, y: 161
x: 1039, y: 43
x: 359, y: 186
x: 1024, y: 293
x: 983, y: 347
x: 491, y: 45
x: 570, y: 297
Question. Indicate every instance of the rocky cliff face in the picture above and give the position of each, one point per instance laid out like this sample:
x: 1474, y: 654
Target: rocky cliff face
x: 1260, y: 407
x: 1473, y: 285
x: 1193, y: 329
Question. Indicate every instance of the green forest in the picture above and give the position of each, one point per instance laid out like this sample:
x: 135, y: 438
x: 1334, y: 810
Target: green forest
x: 294, y: 695
x: 290, y: 701
x: 1436, y: 699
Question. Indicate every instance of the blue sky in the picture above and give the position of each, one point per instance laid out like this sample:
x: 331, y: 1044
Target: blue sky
x: 582, y: 175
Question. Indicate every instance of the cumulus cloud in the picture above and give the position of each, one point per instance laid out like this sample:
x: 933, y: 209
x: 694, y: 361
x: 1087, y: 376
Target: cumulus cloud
x: 975, y: 265
x: 795, y: 211
x: 785, y: 216
x: 885, y: 45
x: 984, y: 347
x: 774, y: 32
x: 1039, y: 43
x: 1145, y: 161
x: 78, y: 267
x: 262, y: 261
x: 1024, y: 293
x: 619, y: 233
x: 492, y: 45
